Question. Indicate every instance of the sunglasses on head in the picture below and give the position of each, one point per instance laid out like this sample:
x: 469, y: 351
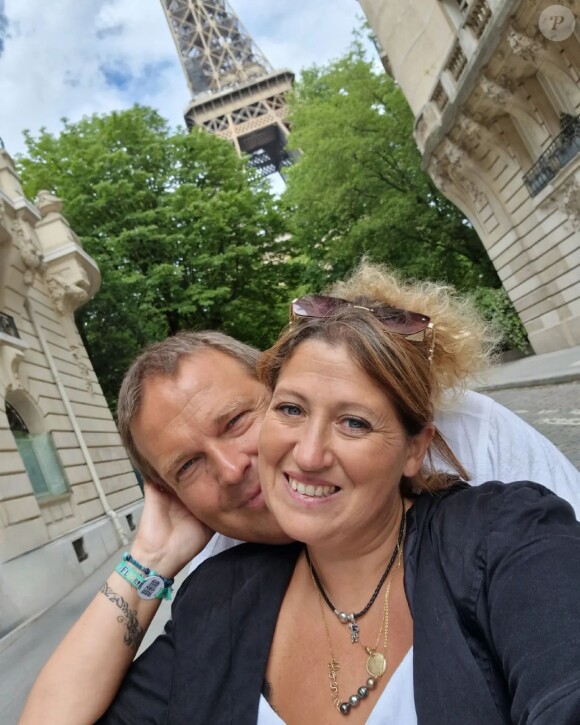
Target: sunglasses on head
x: 401, y: 322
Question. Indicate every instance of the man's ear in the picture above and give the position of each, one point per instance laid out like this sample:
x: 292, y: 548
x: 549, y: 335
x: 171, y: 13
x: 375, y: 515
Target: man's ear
x: 417, y: 446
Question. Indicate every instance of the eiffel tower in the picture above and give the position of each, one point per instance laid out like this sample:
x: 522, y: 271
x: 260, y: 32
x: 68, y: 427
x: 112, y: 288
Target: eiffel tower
x: 236, y: 94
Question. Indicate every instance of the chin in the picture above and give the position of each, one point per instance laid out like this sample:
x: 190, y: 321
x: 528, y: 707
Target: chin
x: 310, y: 535
x: 259, y: 527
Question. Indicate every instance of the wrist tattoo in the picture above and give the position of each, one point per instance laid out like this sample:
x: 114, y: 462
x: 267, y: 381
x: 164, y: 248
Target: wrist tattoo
x: 133, y: 632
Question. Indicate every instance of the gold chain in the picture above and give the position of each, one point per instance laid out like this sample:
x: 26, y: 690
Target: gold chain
x: 333, y: 665
x: 385, y: 620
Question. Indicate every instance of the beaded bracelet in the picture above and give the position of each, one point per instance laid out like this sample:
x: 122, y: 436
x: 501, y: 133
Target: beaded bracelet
x: 148, y: 586
x: 145, y: 569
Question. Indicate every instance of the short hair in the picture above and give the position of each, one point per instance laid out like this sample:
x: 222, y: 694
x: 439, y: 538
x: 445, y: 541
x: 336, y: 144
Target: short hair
x: 163, y: 359
x: 465, y: 342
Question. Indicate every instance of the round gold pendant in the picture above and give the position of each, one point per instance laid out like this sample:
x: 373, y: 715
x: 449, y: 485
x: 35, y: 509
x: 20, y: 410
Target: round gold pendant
x: 376, y: 664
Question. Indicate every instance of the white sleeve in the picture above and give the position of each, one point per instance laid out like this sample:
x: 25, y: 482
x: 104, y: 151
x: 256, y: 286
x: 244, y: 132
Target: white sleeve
x: 215, y: 545
x: 517, y: 451
x: 494, y: 444
x: 464, y: 423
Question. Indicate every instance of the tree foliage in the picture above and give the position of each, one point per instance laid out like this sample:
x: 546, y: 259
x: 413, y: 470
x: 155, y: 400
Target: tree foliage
x: 496, y: 306
x: 185, y: 238
x: 358, y: 187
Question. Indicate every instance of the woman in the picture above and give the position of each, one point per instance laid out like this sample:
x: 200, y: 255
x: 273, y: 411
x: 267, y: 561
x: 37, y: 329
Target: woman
x: 412, y: 597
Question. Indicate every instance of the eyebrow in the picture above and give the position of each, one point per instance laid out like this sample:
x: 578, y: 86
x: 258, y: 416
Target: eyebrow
x: 236, y: 405
x: 218, y: 420
x: 338, y: 404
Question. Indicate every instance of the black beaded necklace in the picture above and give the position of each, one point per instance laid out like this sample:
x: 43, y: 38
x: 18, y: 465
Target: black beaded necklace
x: 351, y: 618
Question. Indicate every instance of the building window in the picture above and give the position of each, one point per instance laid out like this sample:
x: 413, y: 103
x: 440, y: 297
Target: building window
x: 39, y: 455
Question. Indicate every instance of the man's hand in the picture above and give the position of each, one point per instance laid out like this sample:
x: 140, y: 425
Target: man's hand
x: 169, y: 535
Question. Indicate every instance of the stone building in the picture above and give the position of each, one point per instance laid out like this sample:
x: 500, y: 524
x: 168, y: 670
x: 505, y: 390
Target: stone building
x: 68, y: 495
x: 494, y: 87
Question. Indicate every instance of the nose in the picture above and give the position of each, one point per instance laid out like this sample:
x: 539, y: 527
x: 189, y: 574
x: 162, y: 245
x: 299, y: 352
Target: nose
x: 230, y: 463
x: 312, y: 450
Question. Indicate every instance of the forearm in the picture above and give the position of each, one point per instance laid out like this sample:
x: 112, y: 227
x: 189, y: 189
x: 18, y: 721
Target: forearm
x: 82, y: 677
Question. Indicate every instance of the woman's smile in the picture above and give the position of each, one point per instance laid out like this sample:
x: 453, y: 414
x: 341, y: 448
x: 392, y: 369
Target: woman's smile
x: 331, y: 444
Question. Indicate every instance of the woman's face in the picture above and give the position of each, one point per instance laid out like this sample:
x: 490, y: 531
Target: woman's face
x: 332, y: 450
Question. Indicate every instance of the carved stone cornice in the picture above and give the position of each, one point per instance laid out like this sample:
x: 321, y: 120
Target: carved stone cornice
x: 471, y: 128
x: 73, y: 277
x: 438, y: 172
x: 5, y: 225
x: 525, y: 47
x: 69, y: 288
x: 567, y: 200
x: 30, y: 254
x: 459, y: 168
x: 457, y: 156
x: 475, y: 133
x: 498, y: 93
x: 501, y: 93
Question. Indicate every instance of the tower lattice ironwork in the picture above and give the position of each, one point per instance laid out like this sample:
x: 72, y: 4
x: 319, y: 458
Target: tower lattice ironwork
x: 236, y: 94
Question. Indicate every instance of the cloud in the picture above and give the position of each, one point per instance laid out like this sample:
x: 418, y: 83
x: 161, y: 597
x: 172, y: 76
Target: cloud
x: 3, y: 26
x: 71, y: 58
x: 298, y: 34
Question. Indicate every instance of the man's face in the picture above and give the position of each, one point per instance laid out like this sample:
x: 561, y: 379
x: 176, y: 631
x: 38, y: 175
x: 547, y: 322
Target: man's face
x: 199, y: 430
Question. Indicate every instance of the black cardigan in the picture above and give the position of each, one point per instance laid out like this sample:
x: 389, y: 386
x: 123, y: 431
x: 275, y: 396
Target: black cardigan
x: 492, y: 576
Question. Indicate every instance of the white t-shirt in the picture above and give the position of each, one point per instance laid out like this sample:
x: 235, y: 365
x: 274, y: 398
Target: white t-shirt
x: 493, y: 444
x: 395, y: 706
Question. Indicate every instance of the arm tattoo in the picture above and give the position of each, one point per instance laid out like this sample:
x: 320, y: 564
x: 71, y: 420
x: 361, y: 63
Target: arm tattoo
x: 134, y: 633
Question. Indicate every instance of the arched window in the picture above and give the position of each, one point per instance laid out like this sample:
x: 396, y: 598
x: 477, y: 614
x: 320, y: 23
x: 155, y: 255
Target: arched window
x: 39, y: 455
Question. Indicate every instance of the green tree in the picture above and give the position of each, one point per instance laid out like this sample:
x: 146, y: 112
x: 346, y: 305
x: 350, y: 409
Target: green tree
x: 358, y: 187
x: 184, y: 236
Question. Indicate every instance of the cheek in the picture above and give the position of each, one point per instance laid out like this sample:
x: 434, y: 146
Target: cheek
x: 269, y: 440
x: 271, y: 448
x: 201, y: 500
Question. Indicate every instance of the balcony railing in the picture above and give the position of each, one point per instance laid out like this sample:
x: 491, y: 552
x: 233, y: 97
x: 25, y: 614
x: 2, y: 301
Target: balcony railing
x: 7, y: 325
x: 478, y: 17
x: 456, y: 62
x: 440, y: 97
x: 561, y: 151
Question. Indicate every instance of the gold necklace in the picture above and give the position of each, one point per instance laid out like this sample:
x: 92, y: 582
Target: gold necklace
x: 376, y: 664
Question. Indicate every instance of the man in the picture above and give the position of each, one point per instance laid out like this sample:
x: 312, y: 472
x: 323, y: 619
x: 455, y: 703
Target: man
x: 189, y: 414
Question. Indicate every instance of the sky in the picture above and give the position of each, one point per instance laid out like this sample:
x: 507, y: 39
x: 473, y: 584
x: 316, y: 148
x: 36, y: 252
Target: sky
x: 70, y: 58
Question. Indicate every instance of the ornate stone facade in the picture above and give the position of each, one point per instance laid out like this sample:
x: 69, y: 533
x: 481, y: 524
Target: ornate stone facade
x: 497, y: 119
x: 66, y: 486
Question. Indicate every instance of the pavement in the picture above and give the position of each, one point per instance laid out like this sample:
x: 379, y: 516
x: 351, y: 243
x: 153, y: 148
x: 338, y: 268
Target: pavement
x: 550, y: 368
x: 25, y: 650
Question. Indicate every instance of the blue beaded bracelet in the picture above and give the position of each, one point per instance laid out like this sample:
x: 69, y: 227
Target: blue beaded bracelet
x: 148, y: 586
x: 145, y: 569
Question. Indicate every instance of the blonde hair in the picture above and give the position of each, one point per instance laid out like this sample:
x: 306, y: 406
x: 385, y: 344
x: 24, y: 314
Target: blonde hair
x: 464, y: 341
